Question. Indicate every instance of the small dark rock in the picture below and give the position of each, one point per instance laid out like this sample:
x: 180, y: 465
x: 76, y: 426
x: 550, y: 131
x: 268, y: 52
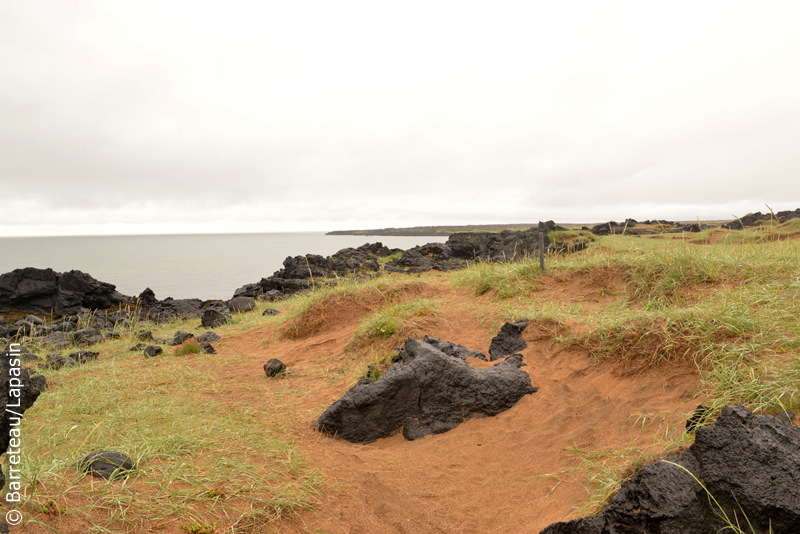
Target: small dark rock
x: 509, y: 340
x: 271, y: 311
x: 274, y: 294
x: 274, y: 367
x: 27, y: 357
x: 83, y: 356
x: 241, y: 304
x: 87, y: 336
x: 34, y: 320
x: 208, y: 348
x: 144, y: 335
x: 58, y: 362
x: 180, y: 337
x: 152, y: 350
x: 137, y: 347
x: 106, y: 464
x: 699, y: 416
x: 208, y: 337
x: 214, y: 318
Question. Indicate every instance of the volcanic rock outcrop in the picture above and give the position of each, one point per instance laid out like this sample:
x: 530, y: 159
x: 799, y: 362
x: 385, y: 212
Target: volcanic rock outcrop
x: 749, y: 467
x: 47, y: 291
x: 303, y: 272
x: 758, y: 218
x: 632, y: 227
x: 465, y: 247
x: 428, y: 392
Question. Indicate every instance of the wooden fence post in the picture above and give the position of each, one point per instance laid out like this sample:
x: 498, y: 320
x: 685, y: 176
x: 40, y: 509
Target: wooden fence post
x: 541, y: 250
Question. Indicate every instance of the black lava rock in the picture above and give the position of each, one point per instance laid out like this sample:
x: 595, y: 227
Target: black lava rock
x: 509, y: 340
x: 106, y: 464
x: 152, y: 350
x: 180, y: 337
x: 208, y: 337
x: 241, y: 304
x: 749, y: 464
x: 698, y: 417
x: 431, y: 394
x: 213, y: 318
x: 274, y: 367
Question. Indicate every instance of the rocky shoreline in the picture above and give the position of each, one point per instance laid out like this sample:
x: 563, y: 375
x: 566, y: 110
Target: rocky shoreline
x: 26, y: 294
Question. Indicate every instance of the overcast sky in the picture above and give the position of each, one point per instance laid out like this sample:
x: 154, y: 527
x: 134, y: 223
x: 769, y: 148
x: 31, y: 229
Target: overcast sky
x: 168, y: 116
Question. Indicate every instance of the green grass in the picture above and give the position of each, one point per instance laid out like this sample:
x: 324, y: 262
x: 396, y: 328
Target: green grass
x: 390, y: 320
x: 191, y: 346
x: 199, y: 457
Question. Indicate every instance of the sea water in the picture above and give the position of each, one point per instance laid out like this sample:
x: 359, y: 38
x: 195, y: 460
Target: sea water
x: 209, y: 266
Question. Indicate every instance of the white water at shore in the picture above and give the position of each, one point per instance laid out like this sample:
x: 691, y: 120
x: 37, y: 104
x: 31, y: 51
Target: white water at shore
x: 180, y: 266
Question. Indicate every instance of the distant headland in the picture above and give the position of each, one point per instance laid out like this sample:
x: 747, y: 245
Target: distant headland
x: 436, y: 230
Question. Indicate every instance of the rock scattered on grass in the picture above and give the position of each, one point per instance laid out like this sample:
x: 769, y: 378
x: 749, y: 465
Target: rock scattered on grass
x: 209, y: 337
x: 241, y: 304
x: 270, y: 311
x: 83, y: 356
x: 144, y: 335
x: 179, y: 337
x: 152, y: 350
x: 106, y: 464
x: 214, y: 318
x: 274, y: 367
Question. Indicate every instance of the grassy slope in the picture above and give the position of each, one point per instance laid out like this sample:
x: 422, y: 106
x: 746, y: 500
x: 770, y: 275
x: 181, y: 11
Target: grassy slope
x: 730, y: 309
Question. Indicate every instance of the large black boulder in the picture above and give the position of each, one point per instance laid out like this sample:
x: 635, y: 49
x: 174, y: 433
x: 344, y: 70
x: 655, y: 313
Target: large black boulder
x: 749, y: 464
x: 430, y: 392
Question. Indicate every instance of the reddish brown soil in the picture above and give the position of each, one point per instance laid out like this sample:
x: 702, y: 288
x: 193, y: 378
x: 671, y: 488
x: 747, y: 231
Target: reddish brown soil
x: 484, y: 476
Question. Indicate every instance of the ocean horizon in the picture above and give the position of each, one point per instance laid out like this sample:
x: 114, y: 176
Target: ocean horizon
x: 204, y: 266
